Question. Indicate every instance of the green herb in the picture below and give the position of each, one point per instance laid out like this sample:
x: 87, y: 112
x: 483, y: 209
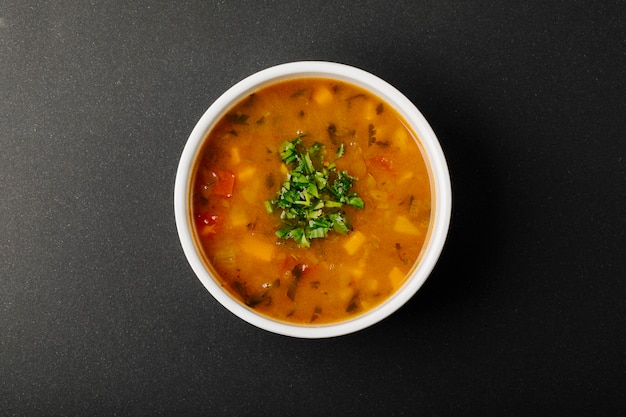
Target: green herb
x: 311, y: 199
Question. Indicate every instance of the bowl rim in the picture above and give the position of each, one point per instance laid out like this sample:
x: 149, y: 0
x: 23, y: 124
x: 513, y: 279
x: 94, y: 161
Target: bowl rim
x: 436, y: 163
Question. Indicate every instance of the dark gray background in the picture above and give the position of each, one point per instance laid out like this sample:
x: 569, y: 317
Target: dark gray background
x: 100, y: 313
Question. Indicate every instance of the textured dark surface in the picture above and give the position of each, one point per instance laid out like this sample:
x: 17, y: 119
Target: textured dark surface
x: 100, y: 313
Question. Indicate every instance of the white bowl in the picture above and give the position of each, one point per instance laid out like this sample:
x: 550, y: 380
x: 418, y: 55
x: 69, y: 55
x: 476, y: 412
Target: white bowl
x: 435, y: 161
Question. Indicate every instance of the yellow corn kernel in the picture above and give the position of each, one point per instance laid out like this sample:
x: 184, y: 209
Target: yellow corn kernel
x: 322, y: 95
x: 283, y: 169
x: 396, y: 276
x: 259, y: 249
x: 354, y: 242
x: 404, y: 225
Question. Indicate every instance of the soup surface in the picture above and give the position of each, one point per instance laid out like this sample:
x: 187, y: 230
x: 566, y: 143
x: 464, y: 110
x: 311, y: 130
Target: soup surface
x: 240, y: 173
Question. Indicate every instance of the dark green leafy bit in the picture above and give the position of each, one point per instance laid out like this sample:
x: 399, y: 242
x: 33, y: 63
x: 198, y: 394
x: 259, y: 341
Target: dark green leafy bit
x: 237, y: 119
x: 250, y: 100
x: 371, y: 134
x: 301, y: 92
x: 354, y: 304
x: 361, y: 95
x: 316, y: 312
x: 337, y: 135
x: 253, y: 299
x: 401, y: 253
x: 296, y: 276
x: 312, y: 198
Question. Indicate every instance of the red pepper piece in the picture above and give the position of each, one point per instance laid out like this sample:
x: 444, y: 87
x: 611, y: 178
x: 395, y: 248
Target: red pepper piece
x: 225, y: 184
x: 207, y: 224
x: 383, y: 162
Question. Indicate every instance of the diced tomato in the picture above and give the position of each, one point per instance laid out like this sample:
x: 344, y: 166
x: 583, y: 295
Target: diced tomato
x: 207, y: 224
x: 382, y: 161
x: 224, y: 185
x: 207, y: 219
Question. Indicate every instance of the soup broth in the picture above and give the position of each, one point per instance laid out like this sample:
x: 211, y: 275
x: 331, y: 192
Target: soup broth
x: 239, y: 170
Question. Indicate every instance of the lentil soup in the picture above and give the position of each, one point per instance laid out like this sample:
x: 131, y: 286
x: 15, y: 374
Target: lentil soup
x: 346, y: 269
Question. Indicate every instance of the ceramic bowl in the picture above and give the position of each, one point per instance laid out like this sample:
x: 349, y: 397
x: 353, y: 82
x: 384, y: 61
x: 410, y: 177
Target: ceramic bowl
x: 439, y: 180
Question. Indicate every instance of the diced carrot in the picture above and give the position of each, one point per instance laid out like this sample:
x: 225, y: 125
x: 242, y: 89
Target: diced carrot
x: 369, y: 112
x: 396, y: 276
x: 354, y: 242
x: 246, y: 173
x: 404, y: 225
x: 258, y: 248
x: 322, y: 95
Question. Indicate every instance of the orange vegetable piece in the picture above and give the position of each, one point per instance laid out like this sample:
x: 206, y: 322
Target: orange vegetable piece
x: 225, y: 184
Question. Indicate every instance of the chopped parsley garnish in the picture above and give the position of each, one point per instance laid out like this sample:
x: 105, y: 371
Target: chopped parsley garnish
x: 313, y: 195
